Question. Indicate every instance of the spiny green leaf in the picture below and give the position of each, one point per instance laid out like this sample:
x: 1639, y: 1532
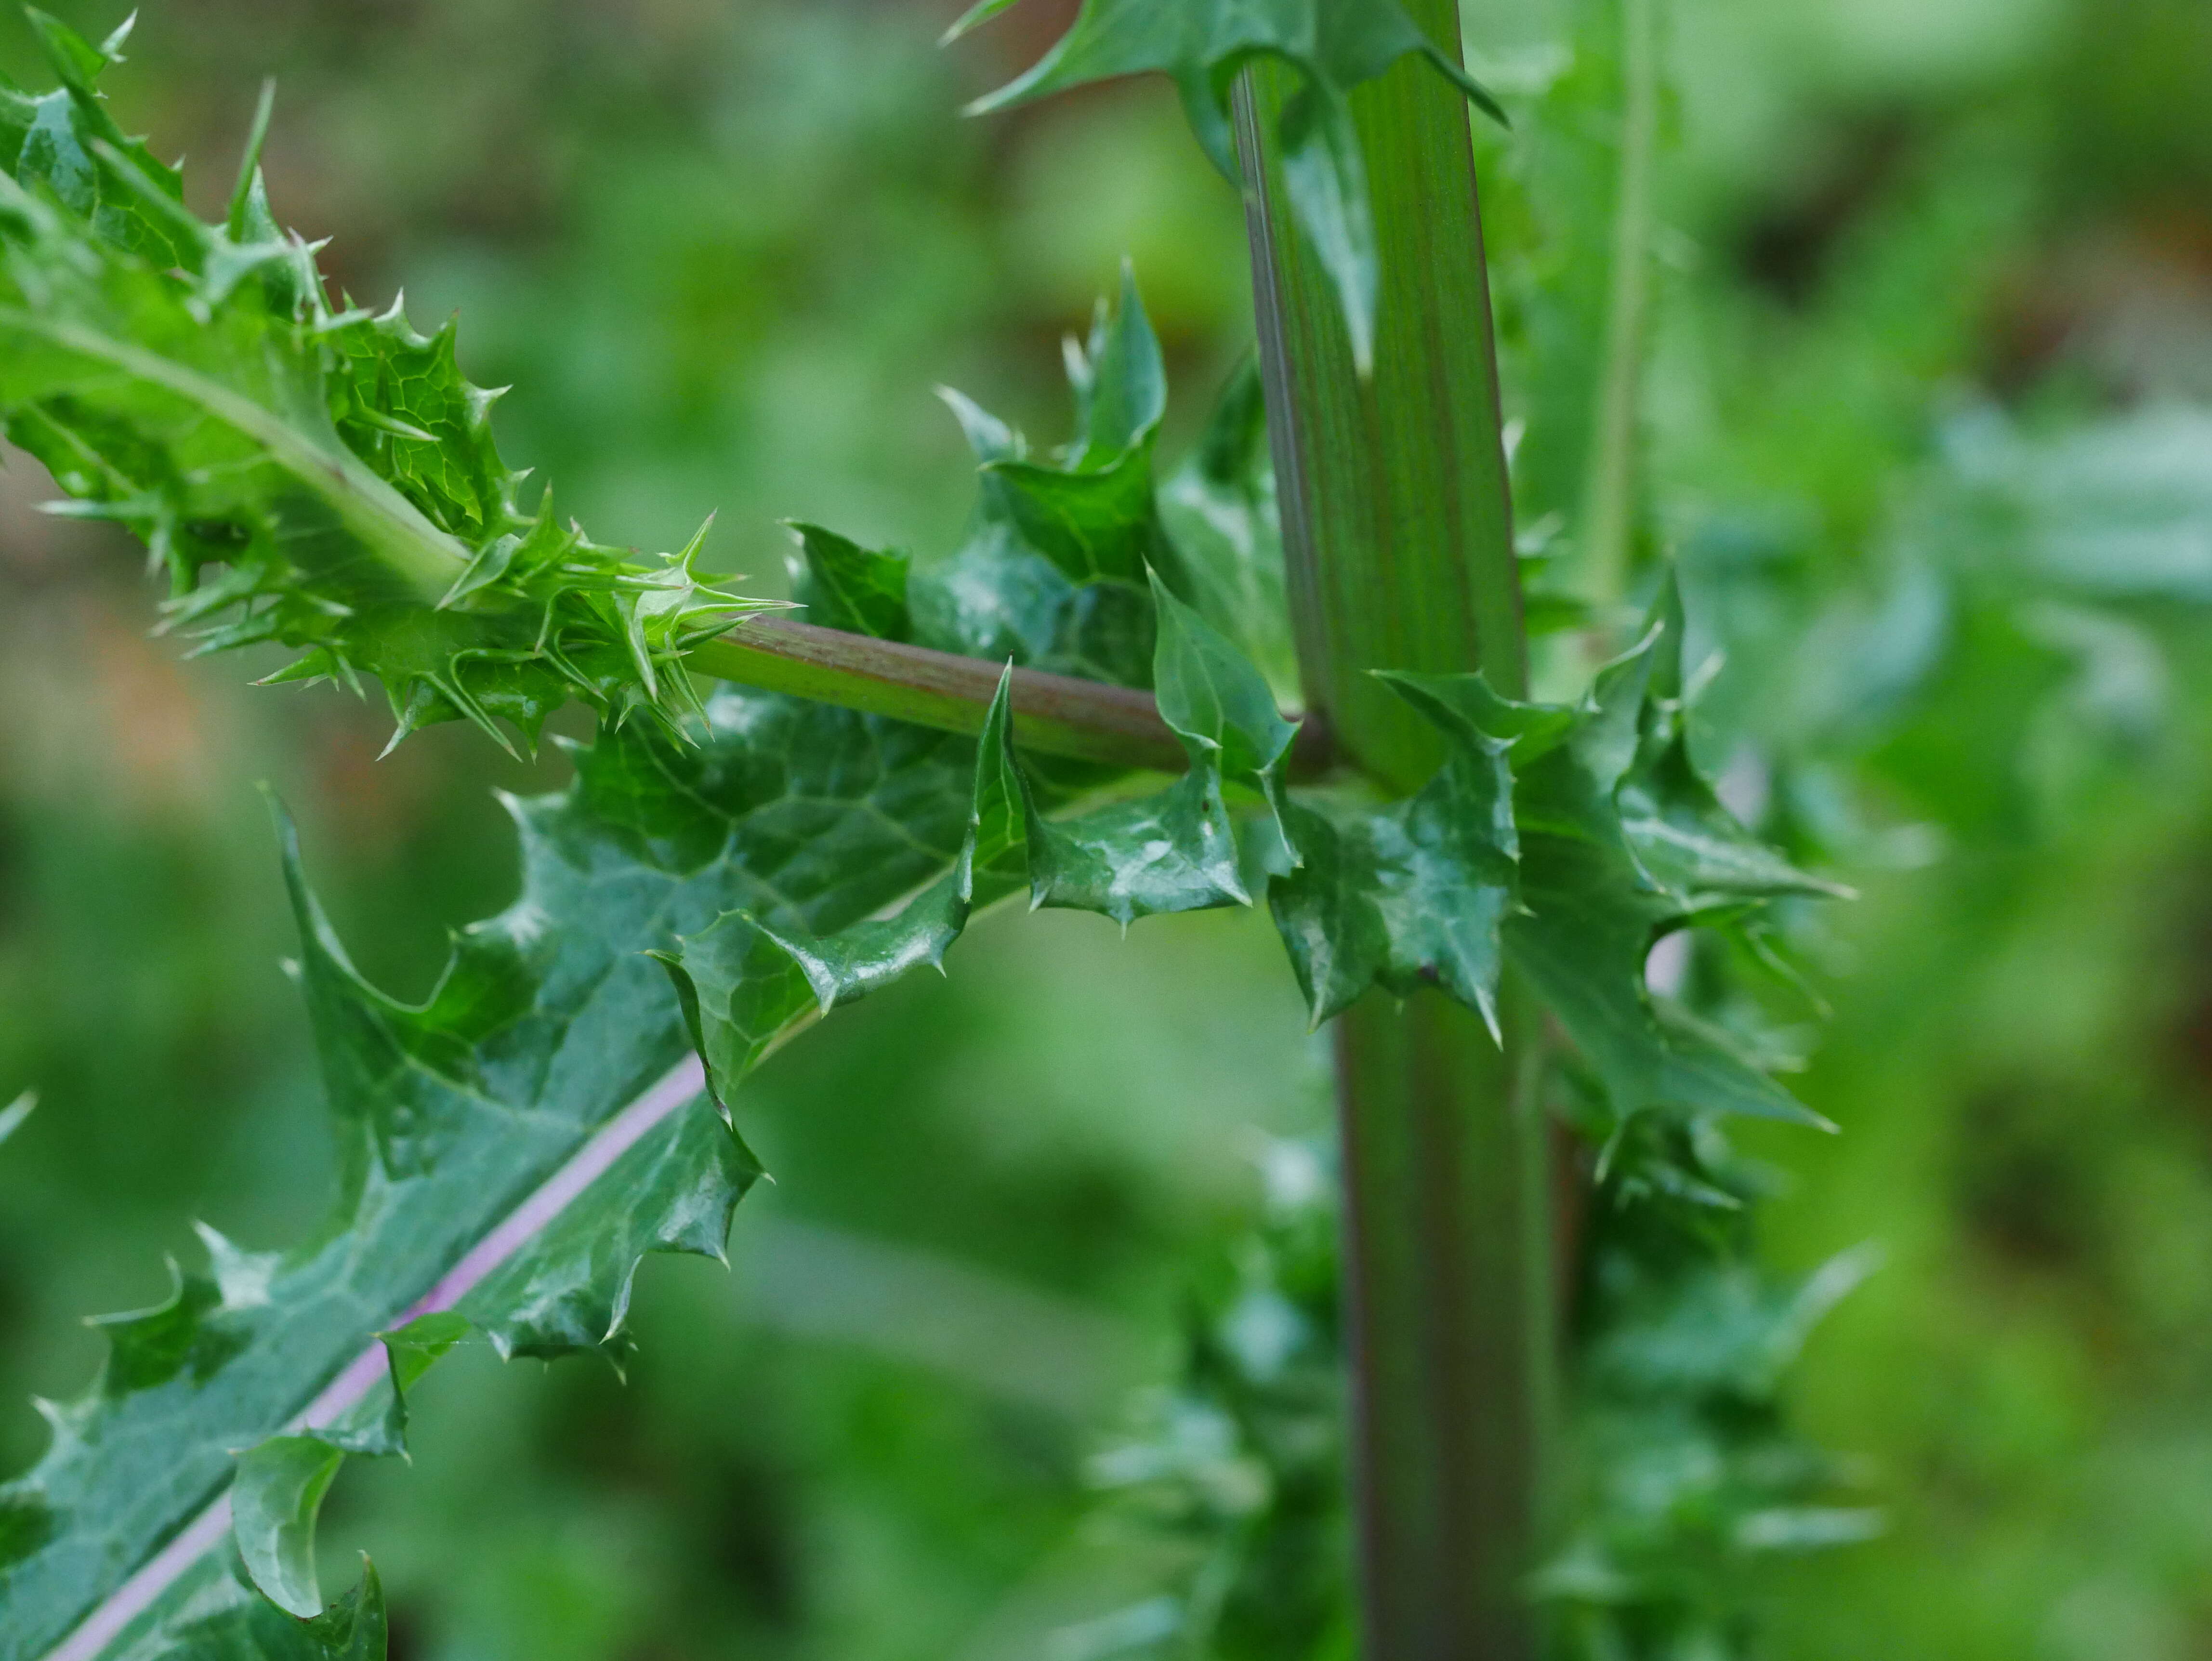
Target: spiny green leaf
x: 1566, y: 841
x: 1052, y: 571
x: 1202, y: 44
x: 53, y: 143
x: 193, y: 383
x: 1175, y: 850
x: 549, y: 1021
x: 674, y: 1191
x: 744, y: 980
x: 1621, y: 842
x: 1413, y: 894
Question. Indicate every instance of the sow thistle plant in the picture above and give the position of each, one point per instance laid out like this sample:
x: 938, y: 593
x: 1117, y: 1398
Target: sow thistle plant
x: 784, y: 811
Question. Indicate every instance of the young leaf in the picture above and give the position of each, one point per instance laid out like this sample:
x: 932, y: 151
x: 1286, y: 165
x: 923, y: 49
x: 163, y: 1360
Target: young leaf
x: 1120, y: 380
x: 1622, y: 841
x: 320, y: 478
x: 1051, y: 572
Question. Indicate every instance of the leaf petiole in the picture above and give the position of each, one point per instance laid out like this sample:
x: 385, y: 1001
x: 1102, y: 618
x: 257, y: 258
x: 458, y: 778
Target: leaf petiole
x: 1057, y: 715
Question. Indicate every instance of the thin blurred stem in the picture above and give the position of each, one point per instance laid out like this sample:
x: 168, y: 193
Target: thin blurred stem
x: 1609, y: 483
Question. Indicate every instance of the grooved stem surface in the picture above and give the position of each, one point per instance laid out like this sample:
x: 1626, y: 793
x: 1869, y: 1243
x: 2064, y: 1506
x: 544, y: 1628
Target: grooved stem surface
x: 1398, y: 533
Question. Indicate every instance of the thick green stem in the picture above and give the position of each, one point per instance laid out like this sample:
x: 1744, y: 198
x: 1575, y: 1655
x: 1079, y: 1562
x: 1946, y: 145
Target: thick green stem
x: 1610, y: 486
x: 1398, y: 529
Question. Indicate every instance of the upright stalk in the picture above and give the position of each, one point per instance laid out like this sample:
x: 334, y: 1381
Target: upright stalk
x: 1610, y: 486
x: 1398, y: 531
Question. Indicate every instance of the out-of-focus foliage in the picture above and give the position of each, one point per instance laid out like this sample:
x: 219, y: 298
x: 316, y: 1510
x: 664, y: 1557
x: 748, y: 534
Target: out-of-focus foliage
x: 1915, y: 260
x: 1237, y: 1463
x: 1924, y: 431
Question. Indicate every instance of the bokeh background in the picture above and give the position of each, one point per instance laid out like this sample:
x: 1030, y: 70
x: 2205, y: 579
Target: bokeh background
x: 1935, y: 316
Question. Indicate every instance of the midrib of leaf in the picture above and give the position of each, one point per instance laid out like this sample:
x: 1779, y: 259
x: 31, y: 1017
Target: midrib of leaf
x: 513, y: 1234
x: 651, y: 843
x: 415, y: 549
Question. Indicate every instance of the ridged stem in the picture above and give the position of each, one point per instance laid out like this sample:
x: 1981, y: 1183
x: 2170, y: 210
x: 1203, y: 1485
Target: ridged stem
x: 1398, y: 531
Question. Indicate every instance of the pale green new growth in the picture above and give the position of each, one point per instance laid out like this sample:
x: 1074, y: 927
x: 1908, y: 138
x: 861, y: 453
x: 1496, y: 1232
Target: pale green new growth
x: 306, y: 474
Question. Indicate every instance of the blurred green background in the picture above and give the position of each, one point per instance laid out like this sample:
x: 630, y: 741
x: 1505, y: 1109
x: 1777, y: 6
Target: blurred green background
x: 1931, y: 434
